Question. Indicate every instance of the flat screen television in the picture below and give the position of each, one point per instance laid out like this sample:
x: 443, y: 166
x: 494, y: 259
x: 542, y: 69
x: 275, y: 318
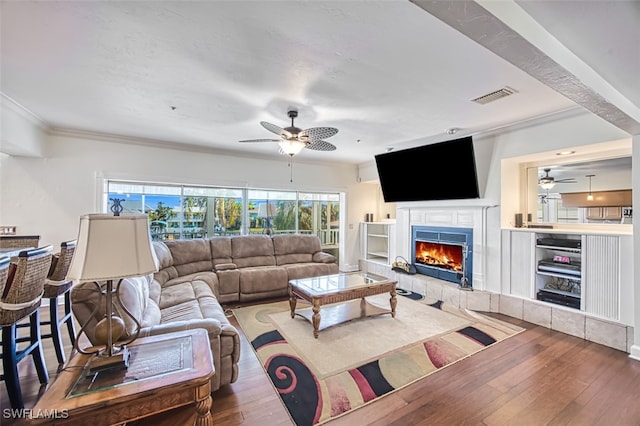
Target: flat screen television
x: 439, y: 171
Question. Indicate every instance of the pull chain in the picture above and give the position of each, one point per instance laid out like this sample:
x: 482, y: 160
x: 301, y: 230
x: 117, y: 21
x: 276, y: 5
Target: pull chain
x: 291, y: 168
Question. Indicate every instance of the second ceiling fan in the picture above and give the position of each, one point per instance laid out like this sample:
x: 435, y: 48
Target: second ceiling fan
x: 548, y: 182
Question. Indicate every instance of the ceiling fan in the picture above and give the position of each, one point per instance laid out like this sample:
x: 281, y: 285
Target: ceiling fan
x: 293, y: 139
x: 548, y: 182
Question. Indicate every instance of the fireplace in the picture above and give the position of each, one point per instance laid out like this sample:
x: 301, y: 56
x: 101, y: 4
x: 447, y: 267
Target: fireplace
x: 443, y: 252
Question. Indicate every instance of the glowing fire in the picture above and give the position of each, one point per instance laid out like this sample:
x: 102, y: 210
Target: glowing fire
x: 446, y: 256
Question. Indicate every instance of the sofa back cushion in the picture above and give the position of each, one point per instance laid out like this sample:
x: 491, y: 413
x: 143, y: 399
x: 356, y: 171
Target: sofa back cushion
x: 134, y: 296
x: 221, y: 250
x: 166, y: 270
x: 252, y: 250
x: 295, y: 248
x: 190, y: 256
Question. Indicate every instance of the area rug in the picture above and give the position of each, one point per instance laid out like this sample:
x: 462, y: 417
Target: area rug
x: 355, y: 363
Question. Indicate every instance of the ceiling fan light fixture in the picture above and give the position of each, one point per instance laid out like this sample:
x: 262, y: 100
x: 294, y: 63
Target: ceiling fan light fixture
x: 291, y: 146
x: 546, y: 183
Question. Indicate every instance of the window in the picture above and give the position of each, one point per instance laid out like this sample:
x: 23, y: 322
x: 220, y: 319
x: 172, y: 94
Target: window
x: 184, y: 211
x: 272, y: 211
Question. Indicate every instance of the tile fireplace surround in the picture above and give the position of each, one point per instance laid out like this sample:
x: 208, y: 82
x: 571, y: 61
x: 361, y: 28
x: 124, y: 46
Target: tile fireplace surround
x: 554, y: 317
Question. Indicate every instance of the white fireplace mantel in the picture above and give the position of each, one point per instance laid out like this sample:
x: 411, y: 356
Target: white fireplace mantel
x: 463, y: 216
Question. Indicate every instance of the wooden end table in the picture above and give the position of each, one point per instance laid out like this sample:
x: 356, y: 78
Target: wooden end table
x: 342, y: 290
x: 165, y: 372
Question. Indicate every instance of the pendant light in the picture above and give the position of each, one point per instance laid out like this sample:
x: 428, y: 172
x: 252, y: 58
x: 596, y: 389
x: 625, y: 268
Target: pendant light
x: 590, y: 196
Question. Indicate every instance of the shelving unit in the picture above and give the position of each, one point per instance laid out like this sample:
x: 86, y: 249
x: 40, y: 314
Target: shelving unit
x: 605, y: 277
x: 559, y: 269
x: 377, y: 241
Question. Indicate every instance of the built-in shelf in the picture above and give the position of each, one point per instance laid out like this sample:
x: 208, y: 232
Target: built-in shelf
x: 567, y: 249
x: 377, y: 241
x: 559, y: 269
x: 598, y: 284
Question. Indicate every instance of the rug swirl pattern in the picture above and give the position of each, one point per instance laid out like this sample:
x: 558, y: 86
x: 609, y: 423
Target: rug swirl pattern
x: 314, y: 393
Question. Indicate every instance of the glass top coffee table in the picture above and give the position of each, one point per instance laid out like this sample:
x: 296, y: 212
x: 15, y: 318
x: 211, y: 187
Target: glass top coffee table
x: 345, y: 293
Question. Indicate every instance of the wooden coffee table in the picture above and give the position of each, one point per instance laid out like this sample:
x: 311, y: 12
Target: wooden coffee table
x: 165, y: 372
x: 342, y: 291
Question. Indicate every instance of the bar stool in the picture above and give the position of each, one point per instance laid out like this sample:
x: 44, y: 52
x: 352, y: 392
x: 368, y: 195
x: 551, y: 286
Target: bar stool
x: 20, y: 298
x: 56, y: 285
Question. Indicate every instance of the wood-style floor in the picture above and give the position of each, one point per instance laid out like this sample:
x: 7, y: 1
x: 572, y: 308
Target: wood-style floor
x: 539, y: 377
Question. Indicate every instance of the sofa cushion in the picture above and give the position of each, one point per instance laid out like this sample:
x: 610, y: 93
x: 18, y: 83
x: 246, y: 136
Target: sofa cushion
x: 166, y: 270
x: 134, y: 296
x: 183, y: 292
x: 208, y: 277
x: 190, y: 256
x: 228, y: 289
x: 299, y: 248
x: 311, y: 269
x: 221, y: 250
x: 263, y: 279
x: 252, y: 250
x: 295, y: 243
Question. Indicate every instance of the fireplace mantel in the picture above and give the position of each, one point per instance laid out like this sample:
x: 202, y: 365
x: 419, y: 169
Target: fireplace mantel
x: 462, y: 216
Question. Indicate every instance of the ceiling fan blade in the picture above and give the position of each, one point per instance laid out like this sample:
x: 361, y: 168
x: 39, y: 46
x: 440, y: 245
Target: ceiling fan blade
x: 261, y: 140
x: 272, y: 127
x: 318, y: 133
x: 321, y: 146
x: 567, y: 180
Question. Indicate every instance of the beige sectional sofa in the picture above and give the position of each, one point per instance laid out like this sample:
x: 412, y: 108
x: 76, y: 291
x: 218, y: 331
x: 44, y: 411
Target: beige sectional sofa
x: 196, y: 276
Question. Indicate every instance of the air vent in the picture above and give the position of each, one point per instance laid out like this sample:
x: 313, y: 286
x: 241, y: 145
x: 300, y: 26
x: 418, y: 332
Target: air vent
x: 494, y: 96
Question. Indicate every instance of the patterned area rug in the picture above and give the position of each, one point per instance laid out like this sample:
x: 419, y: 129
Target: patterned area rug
x: 355, y: 363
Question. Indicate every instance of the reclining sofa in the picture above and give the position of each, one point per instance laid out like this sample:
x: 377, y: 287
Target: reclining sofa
x: 195, y: 276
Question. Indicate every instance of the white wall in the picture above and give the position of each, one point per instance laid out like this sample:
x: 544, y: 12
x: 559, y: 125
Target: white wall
x: 46, y: 195
x: 21, y: 131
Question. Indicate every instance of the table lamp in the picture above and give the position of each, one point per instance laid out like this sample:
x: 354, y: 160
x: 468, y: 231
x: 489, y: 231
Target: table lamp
x: 267, y: 211
x: 111, y: 248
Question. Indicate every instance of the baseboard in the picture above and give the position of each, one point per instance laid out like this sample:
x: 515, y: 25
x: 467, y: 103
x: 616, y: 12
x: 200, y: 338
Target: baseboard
x: 634, y: 353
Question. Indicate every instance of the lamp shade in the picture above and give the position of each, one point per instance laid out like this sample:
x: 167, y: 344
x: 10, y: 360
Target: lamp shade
x: 266, y: 210
x: 111, y: 247
x: 291, y: 146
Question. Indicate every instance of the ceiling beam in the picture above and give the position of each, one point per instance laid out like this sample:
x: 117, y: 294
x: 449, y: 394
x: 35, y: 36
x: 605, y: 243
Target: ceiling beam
x: 498, y: 26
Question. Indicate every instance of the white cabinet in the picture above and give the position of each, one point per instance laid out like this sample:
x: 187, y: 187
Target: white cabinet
x: 602, y: 275
x: 378, y: 242
x: 591, y: 273
x: 518, y: 272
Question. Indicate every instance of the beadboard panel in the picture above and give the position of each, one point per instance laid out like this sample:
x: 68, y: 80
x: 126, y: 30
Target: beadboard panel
x: 601, y: 266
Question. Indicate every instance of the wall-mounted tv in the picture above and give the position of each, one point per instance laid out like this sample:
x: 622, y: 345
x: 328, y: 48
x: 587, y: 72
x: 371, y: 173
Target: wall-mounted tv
x: 439, y: 171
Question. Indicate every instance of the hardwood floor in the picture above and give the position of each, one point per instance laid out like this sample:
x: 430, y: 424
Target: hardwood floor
x: 538, y: 377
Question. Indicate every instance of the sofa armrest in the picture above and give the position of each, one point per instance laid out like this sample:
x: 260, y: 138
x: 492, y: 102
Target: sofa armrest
x: 213, y: 327
x: 322, y: 257
x: 225, y: 267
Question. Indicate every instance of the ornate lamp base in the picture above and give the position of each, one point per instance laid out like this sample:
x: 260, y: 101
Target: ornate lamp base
x: 116, y: 361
